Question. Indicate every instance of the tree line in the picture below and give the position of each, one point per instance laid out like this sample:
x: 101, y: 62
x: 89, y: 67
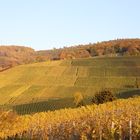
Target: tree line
x: 15, y: 55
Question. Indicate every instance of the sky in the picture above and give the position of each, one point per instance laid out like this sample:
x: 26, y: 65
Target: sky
x: 47, y: 24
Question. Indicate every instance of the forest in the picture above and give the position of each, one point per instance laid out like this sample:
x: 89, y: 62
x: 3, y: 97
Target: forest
x: 15, y: 55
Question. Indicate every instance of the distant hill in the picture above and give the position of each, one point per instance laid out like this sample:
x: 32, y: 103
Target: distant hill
x: 120, y: 47
x: 15, y: 55
x: 51, y: 85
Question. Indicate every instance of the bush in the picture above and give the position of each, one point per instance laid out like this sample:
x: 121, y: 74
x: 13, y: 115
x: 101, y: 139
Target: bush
x: 78, y: 99
x: 103, y: 96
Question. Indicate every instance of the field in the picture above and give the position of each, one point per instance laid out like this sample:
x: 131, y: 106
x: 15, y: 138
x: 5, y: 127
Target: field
x: 25, y: 88
x: 117, y: 120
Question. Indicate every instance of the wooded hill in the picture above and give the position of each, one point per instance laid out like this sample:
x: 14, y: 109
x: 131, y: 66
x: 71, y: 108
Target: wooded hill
x: 14, y: 55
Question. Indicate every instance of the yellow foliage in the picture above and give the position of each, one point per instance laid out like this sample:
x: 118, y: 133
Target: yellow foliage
x: 107, y: 121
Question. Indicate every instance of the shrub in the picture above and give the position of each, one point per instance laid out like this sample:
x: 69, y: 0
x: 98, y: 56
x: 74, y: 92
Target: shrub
x: 78, y: 99
x: 103, y: 96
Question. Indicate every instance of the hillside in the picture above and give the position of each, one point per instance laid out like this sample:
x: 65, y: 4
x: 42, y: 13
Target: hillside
x: 110, y: 121
x: 51, y: 85
x: 15, y: 55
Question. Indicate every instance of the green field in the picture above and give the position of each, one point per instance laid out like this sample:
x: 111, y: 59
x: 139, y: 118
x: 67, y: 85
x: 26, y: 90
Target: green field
x: 29, y: 86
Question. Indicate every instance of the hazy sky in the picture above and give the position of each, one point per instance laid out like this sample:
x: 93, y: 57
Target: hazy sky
x: 44, y: 24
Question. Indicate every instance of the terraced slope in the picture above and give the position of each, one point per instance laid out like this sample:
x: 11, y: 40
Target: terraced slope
x: 59, y: 80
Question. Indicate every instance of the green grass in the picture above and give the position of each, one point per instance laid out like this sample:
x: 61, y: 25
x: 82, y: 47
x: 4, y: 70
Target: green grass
x: 53, y: 104
x: 42, y: 82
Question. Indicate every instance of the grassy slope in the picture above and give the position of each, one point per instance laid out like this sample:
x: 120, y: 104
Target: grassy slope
x: 55, y: 80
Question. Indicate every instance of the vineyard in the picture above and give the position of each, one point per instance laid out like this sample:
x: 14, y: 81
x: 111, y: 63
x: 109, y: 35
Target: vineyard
x: 31, y: 85
x: 117, y: 120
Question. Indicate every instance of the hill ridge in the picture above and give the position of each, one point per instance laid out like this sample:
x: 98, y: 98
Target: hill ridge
x: 16, y: 55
